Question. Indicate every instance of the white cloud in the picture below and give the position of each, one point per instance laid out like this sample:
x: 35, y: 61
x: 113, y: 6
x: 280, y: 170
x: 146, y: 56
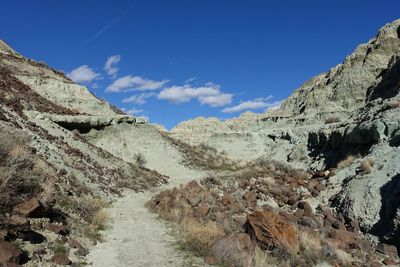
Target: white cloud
x: 138, y: 99
x: 216, y: 100
x: 258, y: 103
x: 209, y: 94
x: 110, y: 66
x: 133, y: 111
x: 83, y: 74
x: 137, y: 83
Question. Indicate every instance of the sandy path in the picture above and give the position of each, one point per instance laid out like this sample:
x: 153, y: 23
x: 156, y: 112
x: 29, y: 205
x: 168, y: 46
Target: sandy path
x: 137, y: 237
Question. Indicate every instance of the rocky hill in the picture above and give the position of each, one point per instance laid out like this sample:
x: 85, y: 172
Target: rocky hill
x: 314, y: 182
x: 344, y: 121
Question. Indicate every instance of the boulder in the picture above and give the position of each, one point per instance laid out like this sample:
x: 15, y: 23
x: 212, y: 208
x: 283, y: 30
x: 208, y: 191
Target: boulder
x: 31, y: 208
x: 9, y: 253
x: 61, y: 259
x: 58, y: 229
x: 306, y: 208
x: 271, y: 231
x: 386, y: 249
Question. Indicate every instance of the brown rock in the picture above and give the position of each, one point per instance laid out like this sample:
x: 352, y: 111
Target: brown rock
x: 292, y: 200
x: 61, y: 259
x: 353, y: 226
x: 200, y: 211
x: 250, y: 197
x: 311, y: 184
x: 30, y: 208
x: 386, y: 249
x: 58, y: 229
x: 306, y: 208
x: 320, y: 187
x: 193, y: 187
x: 18, y: 221
x: 211, y: 260
x: 271, y: 231
x: 9, y: 253
x: 342, y: 238
x: 389, y: 261
x: 228, y: 200
x: 322, y: 174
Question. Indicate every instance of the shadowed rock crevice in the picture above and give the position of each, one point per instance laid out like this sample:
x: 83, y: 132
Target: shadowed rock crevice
x: 388, y: 228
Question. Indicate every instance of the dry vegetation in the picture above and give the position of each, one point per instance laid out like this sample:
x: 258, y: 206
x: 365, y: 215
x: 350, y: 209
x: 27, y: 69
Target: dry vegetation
x: 367, y: 165
x: 20, y: 176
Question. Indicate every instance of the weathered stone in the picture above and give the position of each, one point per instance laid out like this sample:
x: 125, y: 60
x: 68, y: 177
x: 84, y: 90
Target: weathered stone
x: 228, y: 200
x: 61, y: 259
x: 9, y: 253
x: 58, y: 229
x: 271, y: 231
x: 306, y: 208
x: 389, y: 261
x: 387, y: 249
x: 30, y: 208
x: 200, y: 211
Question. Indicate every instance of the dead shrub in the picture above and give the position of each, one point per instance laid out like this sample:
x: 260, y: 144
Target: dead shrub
x: 366, y: 165
x: 100, y: 219
x: 346, y: 162
x: 18, y: 179
x: 199, y: 238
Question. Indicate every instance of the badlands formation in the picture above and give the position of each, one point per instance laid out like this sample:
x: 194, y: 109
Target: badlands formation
x: 313, y: 183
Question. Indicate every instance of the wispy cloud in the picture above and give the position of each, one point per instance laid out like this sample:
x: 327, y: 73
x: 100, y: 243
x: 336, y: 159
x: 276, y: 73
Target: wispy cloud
x: 130, y: 82
x: 83, y: 74
x: 255, y: 104
x: 110, y: 66
x: 108, y: 25
x: 138, y: 99
x: 210, y: 94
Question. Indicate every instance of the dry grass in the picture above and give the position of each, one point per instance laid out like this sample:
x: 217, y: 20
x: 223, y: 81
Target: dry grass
x: 100, y: 219
x: 366, y: 165
x: 18, y: 178
x: 199, y: 238
x: 346, y: 162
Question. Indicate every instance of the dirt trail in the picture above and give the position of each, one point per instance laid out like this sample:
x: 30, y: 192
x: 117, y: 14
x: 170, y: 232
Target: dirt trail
x: 137, y: 237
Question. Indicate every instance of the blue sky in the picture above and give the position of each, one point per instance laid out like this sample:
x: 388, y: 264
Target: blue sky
x: 178, y: 59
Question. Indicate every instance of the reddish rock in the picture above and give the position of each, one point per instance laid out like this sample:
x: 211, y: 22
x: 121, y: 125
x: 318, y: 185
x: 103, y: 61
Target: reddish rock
x: 320, y: 187
x: 386, y: 249
x: 211, y: 260
x: 201, y: 211
x: 30, y: 208
x: 271, y: 231
x: 61, y: 259
x: 315, y: 193
x: 342, y: 238
x: 322, y: 174
x: 292, y: 200
x: 18, y: 221
x: 389, y: 261
x: 58, y: 229
x: 228, y: 200
x: 306, y: 208
x: 353, y: 226
x: 311, y: 184
x: 9, y: 253
x: 250, y: 197
x: 193, y: 187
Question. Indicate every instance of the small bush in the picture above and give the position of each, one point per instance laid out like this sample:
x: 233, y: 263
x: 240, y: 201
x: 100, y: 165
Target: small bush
x: 366, y: 165
x: 199, y: 238
x: 332, y: 120
x: 140, y: 159
x: 60, y: 249
x: 346, y: 162
x: 100, y: 219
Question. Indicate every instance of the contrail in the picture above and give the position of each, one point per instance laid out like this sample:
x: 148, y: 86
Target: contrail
x: 108, y: 25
